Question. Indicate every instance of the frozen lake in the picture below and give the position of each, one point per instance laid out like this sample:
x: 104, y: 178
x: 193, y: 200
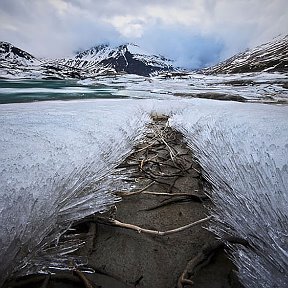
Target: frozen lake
x: 250, y: 87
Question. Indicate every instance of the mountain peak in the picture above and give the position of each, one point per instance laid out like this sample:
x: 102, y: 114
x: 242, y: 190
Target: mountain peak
x: 129, y: 58
x: 9, y: 52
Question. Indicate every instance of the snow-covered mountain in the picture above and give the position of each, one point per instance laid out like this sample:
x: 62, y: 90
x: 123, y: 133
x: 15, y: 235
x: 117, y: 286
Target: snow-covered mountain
x: 13, y: 55
x: 17, y: 63
x: 271, y: 56
x: 128, y: 58
x: 99, y: 60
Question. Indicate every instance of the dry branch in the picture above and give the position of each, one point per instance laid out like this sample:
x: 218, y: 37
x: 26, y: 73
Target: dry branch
x: 173, y: 194
x: 144, y: 148
x: 191, y: 198
x: 148, y: 231
x: 202, y: 259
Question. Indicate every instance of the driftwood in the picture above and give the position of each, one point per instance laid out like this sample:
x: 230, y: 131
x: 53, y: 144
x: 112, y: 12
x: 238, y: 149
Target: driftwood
x: 150, y: 167
x: 197, y: 262
x: 181, y: 199
x: 204, y: 257
x: 113, y: 222
x: 165, y: 194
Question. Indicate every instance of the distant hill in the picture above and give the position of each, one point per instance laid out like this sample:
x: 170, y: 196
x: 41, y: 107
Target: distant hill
x: 271, y: 56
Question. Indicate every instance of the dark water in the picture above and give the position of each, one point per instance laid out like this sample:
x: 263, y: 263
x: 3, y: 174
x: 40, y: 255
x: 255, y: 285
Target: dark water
x: 17, y: 91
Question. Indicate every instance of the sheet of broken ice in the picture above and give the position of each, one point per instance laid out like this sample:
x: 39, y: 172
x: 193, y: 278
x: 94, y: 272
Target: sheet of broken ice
x: 243, y: 149
x: 54, y: 156
x: 261, y: 87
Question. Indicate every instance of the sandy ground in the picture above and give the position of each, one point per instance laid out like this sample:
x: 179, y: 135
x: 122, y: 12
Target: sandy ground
x: 127, y: 258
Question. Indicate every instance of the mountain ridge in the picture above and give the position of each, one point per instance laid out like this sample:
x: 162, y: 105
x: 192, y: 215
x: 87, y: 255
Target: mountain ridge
x: 268, y: 57
x: 129, y: 58
x: 98, y: 60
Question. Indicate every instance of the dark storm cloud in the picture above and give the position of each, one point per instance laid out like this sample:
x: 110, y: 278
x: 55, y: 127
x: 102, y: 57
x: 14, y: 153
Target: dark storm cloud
x: 193, y: 32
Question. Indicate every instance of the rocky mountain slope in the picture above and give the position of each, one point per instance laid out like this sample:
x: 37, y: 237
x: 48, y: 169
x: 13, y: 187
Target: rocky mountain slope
x: 128, y: 58
x: 271, y: 56
x: 99, y: 60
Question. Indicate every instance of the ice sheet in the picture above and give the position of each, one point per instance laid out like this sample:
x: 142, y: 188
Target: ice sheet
x: 51, y: 150
x: 243, y: 149
x: 54, y: 156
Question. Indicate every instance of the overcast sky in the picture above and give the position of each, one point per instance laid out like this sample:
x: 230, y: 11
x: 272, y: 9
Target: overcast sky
x: 193, y: 32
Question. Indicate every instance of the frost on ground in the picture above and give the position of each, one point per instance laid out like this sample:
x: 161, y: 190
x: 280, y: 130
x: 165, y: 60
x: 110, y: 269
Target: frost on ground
x: 54, y: 156
x: 243, y: 149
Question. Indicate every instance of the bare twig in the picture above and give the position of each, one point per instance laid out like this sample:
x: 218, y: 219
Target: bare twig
x: 191, y: 198
x: 148, y: 231
x: 160, y: 135
x: 173, y: 194
x: 202, y: 259
x: 188, y: 195
x: 171, y: 152
x: 144, y: 148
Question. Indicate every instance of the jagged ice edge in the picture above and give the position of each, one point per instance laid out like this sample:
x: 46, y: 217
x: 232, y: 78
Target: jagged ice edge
x: 80, y: 193
x: 249, y: 192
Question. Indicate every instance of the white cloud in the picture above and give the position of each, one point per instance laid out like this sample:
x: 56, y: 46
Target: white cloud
x: 128, y: 26
x: 59, y: 27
